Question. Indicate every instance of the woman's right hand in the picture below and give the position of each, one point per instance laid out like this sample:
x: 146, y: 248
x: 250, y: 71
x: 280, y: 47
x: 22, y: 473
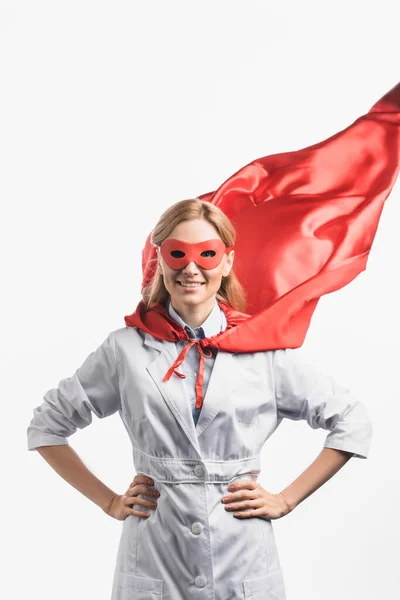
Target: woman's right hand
x: 121, y: 505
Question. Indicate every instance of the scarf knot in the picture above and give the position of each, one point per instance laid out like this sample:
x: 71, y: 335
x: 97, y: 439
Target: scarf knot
x: 200, y: 377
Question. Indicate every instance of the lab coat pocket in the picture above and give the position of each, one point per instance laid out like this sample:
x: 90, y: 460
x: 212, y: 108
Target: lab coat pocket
x: 269, y: 587
x: 133, y: 587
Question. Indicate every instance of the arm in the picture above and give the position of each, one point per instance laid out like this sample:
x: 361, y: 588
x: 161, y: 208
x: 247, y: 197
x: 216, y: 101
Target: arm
x: 303, y: 392
x: 92, y: 389
x: 327, y: 463
x: 66, y: 462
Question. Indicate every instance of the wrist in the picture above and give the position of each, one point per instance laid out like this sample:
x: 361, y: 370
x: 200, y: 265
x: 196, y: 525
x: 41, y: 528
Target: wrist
x: 106, y: 505
x: 289, y: 501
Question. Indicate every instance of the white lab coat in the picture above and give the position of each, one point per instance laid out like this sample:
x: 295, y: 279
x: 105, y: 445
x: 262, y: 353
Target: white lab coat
x: 190, y: 546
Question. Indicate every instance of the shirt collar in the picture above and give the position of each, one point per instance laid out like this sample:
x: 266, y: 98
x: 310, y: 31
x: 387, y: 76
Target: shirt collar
x: 215, y: 322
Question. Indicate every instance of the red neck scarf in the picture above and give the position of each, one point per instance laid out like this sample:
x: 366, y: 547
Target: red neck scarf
x: 159, y: 323
x: 305, y: 222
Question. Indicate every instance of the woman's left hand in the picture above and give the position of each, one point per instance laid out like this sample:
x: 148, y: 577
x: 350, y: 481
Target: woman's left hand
x: 249, y: 499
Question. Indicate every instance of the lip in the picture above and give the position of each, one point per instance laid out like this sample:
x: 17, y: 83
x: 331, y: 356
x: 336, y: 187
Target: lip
x: 195, y: 287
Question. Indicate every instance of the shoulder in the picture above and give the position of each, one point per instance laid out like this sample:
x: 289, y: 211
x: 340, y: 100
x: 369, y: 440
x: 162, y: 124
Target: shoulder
x: 124, y: 334
x: 128, y: 337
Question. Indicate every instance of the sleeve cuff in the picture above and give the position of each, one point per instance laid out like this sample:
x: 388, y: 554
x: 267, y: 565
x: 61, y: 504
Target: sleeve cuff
x: 37, y: 439
x: 358, y: 451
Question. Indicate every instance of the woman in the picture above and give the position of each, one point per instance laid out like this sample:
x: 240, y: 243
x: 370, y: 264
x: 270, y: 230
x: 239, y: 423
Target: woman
x: 196, y: 524
x: 186, y: 538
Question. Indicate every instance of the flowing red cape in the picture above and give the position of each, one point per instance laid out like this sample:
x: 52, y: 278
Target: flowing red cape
x: 305, y: 223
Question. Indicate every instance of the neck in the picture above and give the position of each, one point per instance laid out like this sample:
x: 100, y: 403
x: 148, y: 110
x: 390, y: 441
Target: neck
x: 194, y: 315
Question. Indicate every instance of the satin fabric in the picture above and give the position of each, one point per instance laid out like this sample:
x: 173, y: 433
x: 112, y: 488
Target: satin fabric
x: 305, y: 223
x: 306, y: 220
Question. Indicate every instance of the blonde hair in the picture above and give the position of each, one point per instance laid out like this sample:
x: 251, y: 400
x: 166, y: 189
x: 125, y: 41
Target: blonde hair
x: 231, y: 291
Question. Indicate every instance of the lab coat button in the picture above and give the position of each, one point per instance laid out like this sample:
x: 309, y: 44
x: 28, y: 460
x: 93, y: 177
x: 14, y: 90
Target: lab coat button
x: 196, y: 528
x: 193, y: 374
x: 200, y: 581
x: 199, y: 471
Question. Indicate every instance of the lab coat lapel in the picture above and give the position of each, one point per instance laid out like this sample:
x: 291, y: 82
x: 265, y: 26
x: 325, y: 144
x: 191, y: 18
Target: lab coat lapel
x: 174, y: 391
x: 224, y: 374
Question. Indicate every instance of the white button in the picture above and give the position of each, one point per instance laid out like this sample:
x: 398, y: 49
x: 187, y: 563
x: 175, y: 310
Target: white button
x: 200, y: 581
x: 196, y: 528
x: 193, y: 374
x: 199, y: 471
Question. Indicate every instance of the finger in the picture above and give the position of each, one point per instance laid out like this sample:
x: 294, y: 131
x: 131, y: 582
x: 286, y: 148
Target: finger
x: 243, y: 484
x: 142, y: 489
x: 139, y: 483
x: 244, y: 504
x: 138, y: 513
x: 258, y: 512
x: 130, y: 500
x: 142, y: 479
x: 240, y: 495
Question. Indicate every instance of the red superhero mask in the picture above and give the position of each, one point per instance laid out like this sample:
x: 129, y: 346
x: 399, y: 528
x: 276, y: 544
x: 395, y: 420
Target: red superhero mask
x: 177, y: 254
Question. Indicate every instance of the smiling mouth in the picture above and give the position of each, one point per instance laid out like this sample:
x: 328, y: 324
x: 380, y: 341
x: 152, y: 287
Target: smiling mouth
x: 188, y: 284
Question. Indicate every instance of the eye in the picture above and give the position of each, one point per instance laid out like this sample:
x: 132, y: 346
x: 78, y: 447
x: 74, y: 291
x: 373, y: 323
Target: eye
x: 177, y: 253
x: 205, y: 251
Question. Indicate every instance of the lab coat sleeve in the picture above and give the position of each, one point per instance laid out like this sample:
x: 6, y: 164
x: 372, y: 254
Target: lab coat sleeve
x: 93, y: 388
x: 304, y: 392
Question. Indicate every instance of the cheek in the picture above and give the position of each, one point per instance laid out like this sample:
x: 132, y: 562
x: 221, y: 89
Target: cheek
x: 214, y: 277
x: 170, y: 281
x: 169, y: 278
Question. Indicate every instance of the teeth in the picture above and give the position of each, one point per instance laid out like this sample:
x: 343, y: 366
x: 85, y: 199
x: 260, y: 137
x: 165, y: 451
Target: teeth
x: 190, y: 284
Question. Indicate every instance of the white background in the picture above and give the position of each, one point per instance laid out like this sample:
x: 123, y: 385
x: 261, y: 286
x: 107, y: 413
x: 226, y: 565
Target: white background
x: 111, y: 112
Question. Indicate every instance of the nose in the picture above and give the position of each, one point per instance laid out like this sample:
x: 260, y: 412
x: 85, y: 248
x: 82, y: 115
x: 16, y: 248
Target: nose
x: 191, y: 267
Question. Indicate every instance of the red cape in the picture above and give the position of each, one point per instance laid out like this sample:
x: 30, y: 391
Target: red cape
x: 305, y: 222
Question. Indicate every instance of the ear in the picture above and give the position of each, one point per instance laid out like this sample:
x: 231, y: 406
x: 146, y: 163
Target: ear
x: 229, y: 263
